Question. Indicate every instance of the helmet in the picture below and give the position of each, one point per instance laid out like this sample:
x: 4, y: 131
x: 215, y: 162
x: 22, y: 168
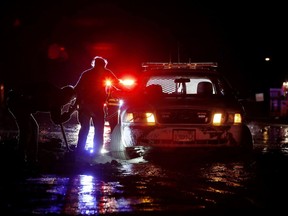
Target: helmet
x: 98, y: 60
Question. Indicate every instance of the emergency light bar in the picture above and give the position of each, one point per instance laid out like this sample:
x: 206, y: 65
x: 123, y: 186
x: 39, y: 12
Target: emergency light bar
x: 194, y: 65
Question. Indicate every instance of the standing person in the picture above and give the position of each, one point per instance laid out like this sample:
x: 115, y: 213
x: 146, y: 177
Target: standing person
x: 91, y: 96
x: 23, y: 102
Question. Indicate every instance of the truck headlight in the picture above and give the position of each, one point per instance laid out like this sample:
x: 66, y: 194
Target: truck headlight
x: 230, y: 118
x: 139, y: 117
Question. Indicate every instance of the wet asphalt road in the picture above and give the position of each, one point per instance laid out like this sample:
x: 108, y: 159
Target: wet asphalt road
x: 202, y: 183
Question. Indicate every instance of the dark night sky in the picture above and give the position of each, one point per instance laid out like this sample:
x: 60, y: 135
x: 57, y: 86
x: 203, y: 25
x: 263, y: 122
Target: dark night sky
x: 56, y: 40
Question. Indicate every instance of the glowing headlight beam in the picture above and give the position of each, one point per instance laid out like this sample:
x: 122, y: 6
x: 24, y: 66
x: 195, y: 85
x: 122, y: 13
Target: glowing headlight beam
x: 217, y: 118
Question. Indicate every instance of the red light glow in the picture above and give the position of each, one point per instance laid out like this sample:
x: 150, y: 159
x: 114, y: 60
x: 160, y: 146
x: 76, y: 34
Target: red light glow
x: 108, y: 83
x: 127, y: 82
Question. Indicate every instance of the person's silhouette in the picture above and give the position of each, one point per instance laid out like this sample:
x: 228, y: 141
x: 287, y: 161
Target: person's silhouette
x: 91, y: 97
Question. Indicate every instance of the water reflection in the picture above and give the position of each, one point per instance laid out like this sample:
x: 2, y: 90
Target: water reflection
x: 78, y: 195
x: 144, y: 187
x: 176, y: 182
x: 232, y: 174
x: 269, y: 137
x: 71, y: 133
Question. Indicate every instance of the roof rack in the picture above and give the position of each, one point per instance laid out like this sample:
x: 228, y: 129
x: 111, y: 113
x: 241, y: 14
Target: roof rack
x: 165, y: 65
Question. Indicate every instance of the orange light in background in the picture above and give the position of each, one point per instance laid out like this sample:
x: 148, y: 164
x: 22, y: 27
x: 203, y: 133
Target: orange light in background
x: 285, y: 88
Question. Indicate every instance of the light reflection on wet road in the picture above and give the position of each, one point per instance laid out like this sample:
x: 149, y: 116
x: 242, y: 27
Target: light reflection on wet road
x: 170, y: 182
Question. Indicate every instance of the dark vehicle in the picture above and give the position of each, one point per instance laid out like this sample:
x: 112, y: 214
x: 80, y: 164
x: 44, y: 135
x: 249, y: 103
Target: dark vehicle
x: 180, y: 105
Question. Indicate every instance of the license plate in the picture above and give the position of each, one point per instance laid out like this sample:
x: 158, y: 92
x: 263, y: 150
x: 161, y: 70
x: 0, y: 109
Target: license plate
x: 184, y: 135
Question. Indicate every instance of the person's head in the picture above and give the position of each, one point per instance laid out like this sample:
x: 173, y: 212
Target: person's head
x: 67, y: 94
x: 99, y: 62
